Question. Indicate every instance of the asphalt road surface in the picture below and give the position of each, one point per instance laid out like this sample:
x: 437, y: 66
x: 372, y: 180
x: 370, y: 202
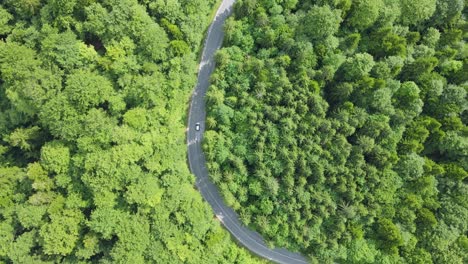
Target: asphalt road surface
x: 249, y: 239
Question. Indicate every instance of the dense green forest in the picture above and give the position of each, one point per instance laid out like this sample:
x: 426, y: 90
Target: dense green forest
x: 93, y: 99
x: 339, y: 128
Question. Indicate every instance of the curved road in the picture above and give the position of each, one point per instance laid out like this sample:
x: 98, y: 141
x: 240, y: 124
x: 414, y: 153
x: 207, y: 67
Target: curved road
x: 249, y: 239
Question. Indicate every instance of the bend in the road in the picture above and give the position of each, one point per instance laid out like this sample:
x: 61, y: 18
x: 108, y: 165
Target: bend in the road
x: 248, y: 238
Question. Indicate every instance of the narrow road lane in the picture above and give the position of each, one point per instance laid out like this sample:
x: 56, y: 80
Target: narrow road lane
x: 249, y: 239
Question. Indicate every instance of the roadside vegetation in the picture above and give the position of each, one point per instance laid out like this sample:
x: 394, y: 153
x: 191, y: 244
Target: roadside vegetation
x: 93, y: 98
x: 338, y: 127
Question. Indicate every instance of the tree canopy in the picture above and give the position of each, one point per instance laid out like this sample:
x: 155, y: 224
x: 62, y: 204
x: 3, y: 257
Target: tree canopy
x: 338, y: 128
x: 92, y: 152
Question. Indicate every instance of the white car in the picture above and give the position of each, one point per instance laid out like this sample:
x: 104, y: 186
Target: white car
x: 197, y: 126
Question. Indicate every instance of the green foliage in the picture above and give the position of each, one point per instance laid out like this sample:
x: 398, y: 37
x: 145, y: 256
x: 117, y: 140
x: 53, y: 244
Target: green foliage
x: 321, y: 22
x: 414, y: 12
x: 24, y: 8
x: 61, y: 233
x: 136, y: 118
x: 85, y: 90
x: 448, y: 11
x: 383, y: 42
x: 364, y: 13
x: 92, y: 152
x: 5, y: 17
x: 357, y: 66
x: 389, y: 235
x: 361, y: 252
x: 55, y: 157
x: 345, y: 140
